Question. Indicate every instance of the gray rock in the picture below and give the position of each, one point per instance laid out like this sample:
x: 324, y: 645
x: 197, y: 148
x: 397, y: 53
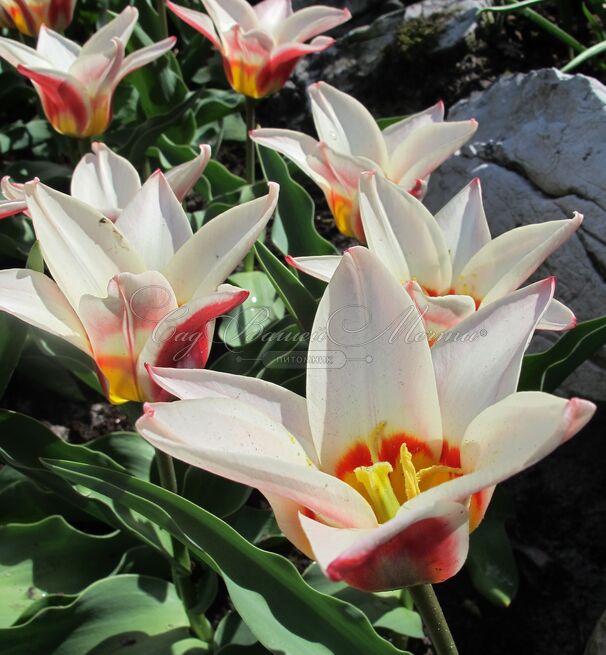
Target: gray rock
x: 540, y: 152
x: 597, y: 642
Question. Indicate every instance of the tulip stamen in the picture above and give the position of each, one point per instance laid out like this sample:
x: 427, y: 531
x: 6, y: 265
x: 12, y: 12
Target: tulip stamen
x: 411, y: 483
x: 375, y: 480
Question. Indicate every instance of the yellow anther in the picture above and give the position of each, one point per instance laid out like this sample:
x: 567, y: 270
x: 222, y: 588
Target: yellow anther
x: 411, y: 484
x: 438, y: 468
x: 375, y: 480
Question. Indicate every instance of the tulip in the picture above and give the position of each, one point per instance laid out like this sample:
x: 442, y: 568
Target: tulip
x: 76, y: 84
x: 390, y: 462
x: 261, y: 45
x: 351, y: 143
x: 449, y: 264
x: 28, y: 16
x: 140, y: 291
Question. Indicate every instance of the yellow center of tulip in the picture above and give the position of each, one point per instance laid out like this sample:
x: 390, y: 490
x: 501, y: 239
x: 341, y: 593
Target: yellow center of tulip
x: 386, y: 489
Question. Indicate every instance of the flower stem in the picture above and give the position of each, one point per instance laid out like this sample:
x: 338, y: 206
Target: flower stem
x: 428, y: 606
x: 161, y: 7
x: 249, y: 114
x: 181, y: 565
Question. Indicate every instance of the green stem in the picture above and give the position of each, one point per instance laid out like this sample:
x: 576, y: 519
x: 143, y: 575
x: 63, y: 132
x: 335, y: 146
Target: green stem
x: 249, y: 114
x: 428, y: 606
x: 161, y: 7
x: 181, y: 564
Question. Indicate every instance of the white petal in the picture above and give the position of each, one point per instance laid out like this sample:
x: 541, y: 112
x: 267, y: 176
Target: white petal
x: 82, y: 249
x: 154, y: 222
x: 310, y: 21
x: 397, y: 132
x: 321, y: 267
x: 463, y: 223
x: 272, y: 13
x: 503, y: 264
x: 243, y: 444
x: 17, y: 53
x: 218, y: 247
x: 281, y: 405
x: 557, y: 317
x: 143, y: 56
x: 345, y: 125
x: 121, y: 27
x: 182, y: 178
x: 480, y: 362
x: 426, y: 148
x: 105, y: 180
x: 36, y: 299
x: 60, y: 52
x: 366, y: 381
x: 403, y: 234
x: 196, y: 19
x: 227, y: 13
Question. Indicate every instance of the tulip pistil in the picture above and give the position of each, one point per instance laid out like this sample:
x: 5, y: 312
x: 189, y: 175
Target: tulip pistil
x: 375, y: 480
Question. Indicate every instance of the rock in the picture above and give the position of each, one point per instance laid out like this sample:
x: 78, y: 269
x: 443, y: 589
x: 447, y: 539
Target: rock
x: 597, y: 642
x: 540, y: 152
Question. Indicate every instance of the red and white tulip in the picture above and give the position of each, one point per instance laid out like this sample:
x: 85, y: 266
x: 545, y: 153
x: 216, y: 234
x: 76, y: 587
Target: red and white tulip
x: 76, y: 84
x: 350, y: 142
x: 449, y: 263
x: 390, y: 462
x: 28, y: 16
x: 261, y: 45
x: 143, y: 290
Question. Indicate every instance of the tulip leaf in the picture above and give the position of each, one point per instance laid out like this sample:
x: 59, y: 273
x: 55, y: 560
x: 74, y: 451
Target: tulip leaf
x: 298, y: 300
x: 218, y: 495
x: 547, y: 370
x: 293, y: 231
x: 248, y: 321
x: 51, y: 557
x: 24, y: 440
x: 13, y: 334
x: 120, y: 615
x: 280, y: 609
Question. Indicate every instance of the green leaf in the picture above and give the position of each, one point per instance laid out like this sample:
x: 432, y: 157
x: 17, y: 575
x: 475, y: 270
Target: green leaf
x: 13, y: 334
x: 401, y: 621
x: 218, y: 495
x: 594, y: 51
x: 129, y: 450
x: 293, y: 231
x: 491, y: 563
x: 390, y: 120
x: 511, y: 7
x: 262, y: 307
x: 121, y: 615
x: 282, y: 611
x: 547, y: 370
x: 299, y: 302
x: 51, y: 557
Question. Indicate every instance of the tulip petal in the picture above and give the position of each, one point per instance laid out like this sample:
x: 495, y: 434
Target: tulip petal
x: 463, y: 223
x: 121, y: 27
x: 427, y: 544
x: 345, y: 125
x: 281, y: 405
x: 105, y: 180
x: 481, y: 369
x: 11, y: 207
x: 394, y: 134
x: 426, y: 148
x: 218, y: 247
x: 272, y: 13
x: 287, y: 513
x: 182, y: 178
x: 243, y: 444
x: 143, y: 56
x: 183, y: 338
x: 404, y: 235
x: 557, y: 317
x: 82, y: 249
x: 510, y: 259
x: 36, y: 299
x: 375, y: 383
x: 310, y: 21
x: 227, y: 13
x: 509, y: 437
x: 155, y: 221
x: 19, y: 54
x: 60, y: 52
x: 321, y: 267
x: 199, y: 21
x: 120, y: 324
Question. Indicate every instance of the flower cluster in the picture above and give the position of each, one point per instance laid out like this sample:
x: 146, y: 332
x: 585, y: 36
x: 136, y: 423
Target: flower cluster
x: 388, y: 463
